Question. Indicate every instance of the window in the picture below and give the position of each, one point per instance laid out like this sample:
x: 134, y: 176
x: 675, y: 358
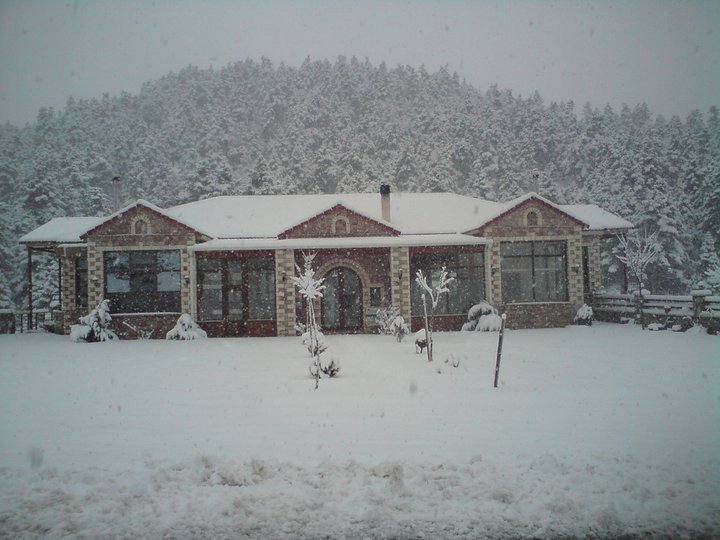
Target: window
x: 141, y: 227
x: 236, y: 289
x: 532, y: 219
x: 261, y: 289
x: 467, y: 289
x: 534, y: 272
x: 81, y: 282
x: 341, y: 226
x: 142, y: 281
x: 375, y: 296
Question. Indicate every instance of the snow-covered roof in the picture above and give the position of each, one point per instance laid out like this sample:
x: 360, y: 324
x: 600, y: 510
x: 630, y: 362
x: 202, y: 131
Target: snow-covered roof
x: 267, y: 216
x: 62, y: 230
x: 347, y: 242
x: 596, y: 218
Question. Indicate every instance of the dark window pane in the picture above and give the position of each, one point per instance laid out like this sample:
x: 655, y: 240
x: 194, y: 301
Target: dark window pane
x: 261, y: 289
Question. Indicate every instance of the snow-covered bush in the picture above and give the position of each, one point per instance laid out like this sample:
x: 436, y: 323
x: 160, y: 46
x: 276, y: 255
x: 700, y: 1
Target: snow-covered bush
x: 391, y: 323
x: 384, y: 318
x: 95, y: 326
x: 185, y: 328
x: 329, y: 365
x: 584, y: 316
x: 492, y: 322
x: 399, y: 328
x: 479, y: 318
x: 315, y: 343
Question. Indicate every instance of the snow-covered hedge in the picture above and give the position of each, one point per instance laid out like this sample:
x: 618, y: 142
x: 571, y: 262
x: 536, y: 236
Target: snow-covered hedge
x: 483, y: 317
x: 584, y: 316
x: 95, y: 326
x: 186, y: 329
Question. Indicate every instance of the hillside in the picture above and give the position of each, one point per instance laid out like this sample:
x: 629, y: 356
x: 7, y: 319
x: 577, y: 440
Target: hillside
x: 346, y: 126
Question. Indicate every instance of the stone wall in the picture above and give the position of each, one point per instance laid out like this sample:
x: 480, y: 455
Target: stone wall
x: 285, y: 291
x: 548, y: 224
x: 338, y: 221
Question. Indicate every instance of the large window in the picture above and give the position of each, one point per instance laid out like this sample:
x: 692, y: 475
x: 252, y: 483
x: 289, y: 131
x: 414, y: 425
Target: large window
x: 236, y: 289
x: 467, y: 289
x: 142, y: 281
x: 534, y: 272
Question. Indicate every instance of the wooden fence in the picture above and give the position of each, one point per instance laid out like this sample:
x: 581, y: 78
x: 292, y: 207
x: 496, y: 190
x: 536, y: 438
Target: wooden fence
x: 699, y: 307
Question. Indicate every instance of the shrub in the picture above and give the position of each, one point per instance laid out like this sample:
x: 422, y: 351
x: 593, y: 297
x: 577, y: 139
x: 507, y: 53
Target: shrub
x: 186, y: 329
x: 482, y: 317
x: 584, y: 316
x: 95, y: 326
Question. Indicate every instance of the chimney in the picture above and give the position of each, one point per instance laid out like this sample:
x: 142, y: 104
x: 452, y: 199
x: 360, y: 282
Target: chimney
x: 385, y: 201
x: 116, y: 193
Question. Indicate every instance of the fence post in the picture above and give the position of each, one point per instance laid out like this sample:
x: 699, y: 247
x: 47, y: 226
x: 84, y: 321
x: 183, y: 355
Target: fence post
x: 499, y: 350
x: 698, y: 300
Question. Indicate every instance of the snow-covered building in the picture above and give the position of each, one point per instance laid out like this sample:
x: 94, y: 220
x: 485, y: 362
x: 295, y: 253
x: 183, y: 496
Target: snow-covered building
x: 227, y: 261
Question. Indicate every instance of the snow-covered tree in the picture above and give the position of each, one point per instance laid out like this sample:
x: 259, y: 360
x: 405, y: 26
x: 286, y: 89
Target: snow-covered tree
x: 434, y: 291
x: 638, y: 251
x: 311, y: 289
x: 95, y: 326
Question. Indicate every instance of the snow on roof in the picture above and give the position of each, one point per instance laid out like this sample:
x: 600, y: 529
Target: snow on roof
x: 348, y: 242
x: 596, y: 218
x: 266, y: 216
x: 63, y: 229
x: 269, y: 215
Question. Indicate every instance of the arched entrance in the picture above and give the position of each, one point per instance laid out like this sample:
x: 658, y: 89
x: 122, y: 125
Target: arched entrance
x: 342, y: 301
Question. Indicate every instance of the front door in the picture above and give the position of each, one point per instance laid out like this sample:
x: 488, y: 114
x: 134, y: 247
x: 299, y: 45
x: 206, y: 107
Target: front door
x: 342, y: 301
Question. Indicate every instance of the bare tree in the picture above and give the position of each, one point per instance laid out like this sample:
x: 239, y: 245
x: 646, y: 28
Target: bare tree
x: 434, y: 292
x: 638, y: 251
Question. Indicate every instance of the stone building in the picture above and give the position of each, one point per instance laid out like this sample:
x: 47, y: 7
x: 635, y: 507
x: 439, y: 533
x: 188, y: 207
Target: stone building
x: 228, y: 260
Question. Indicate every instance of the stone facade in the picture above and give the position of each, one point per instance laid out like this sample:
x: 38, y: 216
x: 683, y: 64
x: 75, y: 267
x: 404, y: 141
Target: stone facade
x: 328, y: 224
x: 285, y: 291
x: 400, y: 280
x: 536, y: 221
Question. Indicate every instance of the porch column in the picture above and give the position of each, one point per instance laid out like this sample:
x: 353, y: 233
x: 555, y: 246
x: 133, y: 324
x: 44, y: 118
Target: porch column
x: 400, y: 280
x: 285, y: 291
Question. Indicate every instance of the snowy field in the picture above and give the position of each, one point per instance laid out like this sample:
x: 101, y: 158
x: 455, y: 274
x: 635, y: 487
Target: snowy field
x: 596, y: 432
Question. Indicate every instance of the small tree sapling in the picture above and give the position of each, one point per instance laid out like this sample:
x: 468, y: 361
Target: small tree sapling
x: 95, y: 326
x: 311, y: 289
x: 434, y: 292
x: 637, y: 253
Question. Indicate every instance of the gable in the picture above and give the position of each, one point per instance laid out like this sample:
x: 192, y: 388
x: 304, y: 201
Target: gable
x: 139, y: 220
x: 531, y: 216
x: 339, y: 221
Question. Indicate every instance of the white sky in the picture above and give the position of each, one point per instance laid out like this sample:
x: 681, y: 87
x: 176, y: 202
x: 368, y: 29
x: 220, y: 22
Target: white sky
x: 661, y: 52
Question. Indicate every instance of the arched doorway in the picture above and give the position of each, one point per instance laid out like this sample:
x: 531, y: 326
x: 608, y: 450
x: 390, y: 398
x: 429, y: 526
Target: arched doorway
x: 342, y: 301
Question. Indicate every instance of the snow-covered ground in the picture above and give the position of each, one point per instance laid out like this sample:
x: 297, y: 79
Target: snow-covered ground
x: 599, y: 432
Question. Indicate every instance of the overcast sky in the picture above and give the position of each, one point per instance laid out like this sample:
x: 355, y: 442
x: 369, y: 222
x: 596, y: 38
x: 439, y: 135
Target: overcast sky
x: 661, y: 52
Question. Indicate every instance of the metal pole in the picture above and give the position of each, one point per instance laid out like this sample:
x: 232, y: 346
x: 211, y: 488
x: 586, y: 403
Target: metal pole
x: 30, y: 287
x: 499, y: 349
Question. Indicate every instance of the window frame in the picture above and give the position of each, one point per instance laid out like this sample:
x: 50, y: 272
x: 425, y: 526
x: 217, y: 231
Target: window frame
x: 143, y: 274
x: 536, y: 256
x: 428, y: 260
x: 249, y: 268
